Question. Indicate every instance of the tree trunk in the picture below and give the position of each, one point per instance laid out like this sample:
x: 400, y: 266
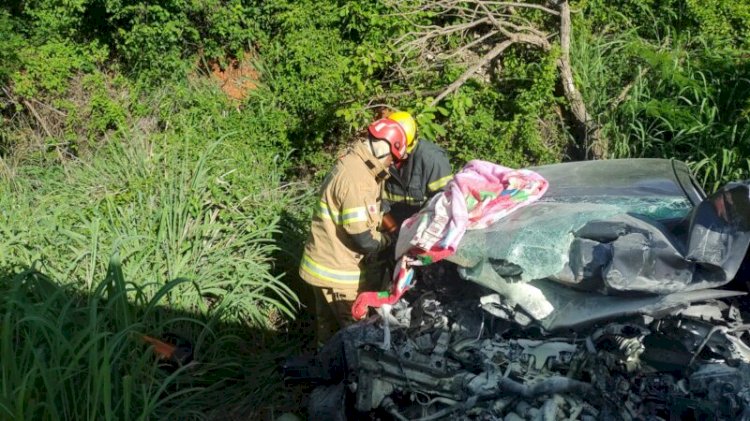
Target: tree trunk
x: 593, y: 143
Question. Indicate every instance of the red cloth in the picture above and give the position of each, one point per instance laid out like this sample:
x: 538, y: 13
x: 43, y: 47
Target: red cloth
x: 371, y: 299
x: 403, y: 280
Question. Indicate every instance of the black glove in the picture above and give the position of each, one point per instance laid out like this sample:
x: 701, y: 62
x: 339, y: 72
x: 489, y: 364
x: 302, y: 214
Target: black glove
x: 389, y: 238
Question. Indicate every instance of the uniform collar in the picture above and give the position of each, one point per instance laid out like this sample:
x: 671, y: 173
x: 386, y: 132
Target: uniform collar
x: 374, y: 165
x: 403, y: 174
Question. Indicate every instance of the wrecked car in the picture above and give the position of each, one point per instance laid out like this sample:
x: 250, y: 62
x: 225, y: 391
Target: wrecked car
x: 616, y: 295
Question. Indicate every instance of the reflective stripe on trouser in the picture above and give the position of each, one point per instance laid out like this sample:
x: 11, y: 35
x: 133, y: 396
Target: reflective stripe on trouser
x: 333, y: 311
x: 343, y: 277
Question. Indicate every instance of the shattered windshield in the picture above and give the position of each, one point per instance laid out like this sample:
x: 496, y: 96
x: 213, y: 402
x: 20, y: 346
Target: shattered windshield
x: 535, y: 240
x: 649, y: 206
x: 611, y: 229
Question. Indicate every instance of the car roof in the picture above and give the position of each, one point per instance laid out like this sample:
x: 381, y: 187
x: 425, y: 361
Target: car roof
x: 621, y: 177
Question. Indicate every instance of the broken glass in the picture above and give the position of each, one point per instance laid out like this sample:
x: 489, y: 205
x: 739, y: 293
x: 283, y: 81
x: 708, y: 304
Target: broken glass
x: 612, y: 227
x: 537, y: 238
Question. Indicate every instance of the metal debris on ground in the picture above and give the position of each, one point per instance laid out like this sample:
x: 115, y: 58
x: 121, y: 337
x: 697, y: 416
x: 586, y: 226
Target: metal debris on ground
x: 452, y: 356
x: 607, y: 299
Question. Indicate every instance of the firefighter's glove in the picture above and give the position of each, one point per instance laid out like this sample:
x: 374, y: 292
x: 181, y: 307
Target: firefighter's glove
x: 389, y: 238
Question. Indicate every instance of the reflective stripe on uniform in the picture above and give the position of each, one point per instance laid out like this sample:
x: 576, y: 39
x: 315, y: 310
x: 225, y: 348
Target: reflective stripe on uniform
x: 331, y: 275
x: 327, y: 213
x: 354, y: 215
x: 348, y: 216
x: 393, y: 197
x: 440, y: 183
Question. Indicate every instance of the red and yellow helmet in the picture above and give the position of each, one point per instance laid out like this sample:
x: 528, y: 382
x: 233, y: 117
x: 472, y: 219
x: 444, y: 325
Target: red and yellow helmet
x: 409, y: 125
x: 392, y: 132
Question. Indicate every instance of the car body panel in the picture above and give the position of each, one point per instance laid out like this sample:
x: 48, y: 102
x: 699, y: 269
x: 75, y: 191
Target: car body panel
x: 619, y: 227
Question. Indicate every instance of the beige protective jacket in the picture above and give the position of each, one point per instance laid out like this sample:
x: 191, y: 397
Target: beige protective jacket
x: 349, y: 204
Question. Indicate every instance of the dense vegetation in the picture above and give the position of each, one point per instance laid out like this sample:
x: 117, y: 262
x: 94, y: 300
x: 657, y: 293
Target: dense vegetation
x: 137, y: 197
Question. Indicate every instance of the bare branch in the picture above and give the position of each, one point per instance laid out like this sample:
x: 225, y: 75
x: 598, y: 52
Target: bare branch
x: 537, y: 40
x: 370, y: 105
x: 44, y: 126
x: 626, y: 90
x: 525, y: 28
x: 471, y: 70
x: 494, y: 21
x: 436, y: 32
x: 470, y: 45
x: 49, y: 107
x: 519, y: 5
x: 38, y: 117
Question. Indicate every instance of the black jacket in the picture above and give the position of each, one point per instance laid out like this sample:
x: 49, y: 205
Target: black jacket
x: 426, y: 171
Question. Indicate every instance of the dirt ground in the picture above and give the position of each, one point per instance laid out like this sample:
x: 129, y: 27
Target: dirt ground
x: 237, y: 78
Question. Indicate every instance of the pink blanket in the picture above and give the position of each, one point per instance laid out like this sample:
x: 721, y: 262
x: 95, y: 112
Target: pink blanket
x: 478, y: 196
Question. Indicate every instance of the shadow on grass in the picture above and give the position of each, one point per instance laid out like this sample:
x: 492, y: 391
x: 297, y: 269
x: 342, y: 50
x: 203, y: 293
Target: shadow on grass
x: 290, y: 239
x: 68, y: 354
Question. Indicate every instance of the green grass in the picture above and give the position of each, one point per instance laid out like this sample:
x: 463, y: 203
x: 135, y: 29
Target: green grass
x: 67, y: 355
x: 191, y: 217
x: 169, y: 215
x: 684, y: 100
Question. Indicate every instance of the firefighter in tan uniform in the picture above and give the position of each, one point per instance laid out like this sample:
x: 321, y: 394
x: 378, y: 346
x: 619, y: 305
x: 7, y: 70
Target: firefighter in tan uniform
x: 346, y: 223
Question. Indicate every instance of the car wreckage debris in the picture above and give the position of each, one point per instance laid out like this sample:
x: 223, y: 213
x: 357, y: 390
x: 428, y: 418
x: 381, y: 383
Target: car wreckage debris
x: 458, y: 352
x: 613, y: 297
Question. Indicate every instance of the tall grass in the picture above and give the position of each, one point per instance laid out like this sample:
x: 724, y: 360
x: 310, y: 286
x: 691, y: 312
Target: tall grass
x: 673, y: 97
x: 193, y: 213
x: 169, y: 215
x: 67, y: 355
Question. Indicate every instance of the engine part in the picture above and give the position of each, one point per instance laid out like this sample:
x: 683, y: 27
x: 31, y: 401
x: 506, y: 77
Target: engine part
x: 328, y: 403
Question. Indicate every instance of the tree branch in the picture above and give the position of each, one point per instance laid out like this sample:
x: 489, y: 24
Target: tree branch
x: 38, y: 118
x: 519, y: 5
x: 528, y: 39
x: 437, y: 32
x: 626, y: 90
x: 44, y: 126
x: 471, y: 70
x: 508, y: 27
x: 470, y: 45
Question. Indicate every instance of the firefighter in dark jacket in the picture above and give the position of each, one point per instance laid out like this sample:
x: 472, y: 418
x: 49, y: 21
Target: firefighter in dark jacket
x: 413, y: 182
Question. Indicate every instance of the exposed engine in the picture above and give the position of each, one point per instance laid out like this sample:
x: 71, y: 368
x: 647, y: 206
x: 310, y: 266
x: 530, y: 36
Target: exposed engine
x: 459, y: 351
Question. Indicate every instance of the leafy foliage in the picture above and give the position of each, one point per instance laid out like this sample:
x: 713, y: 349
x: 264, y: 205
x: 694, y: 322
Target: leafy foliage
x: 151, y: 40
x: 114, y: 139
x: 10, y: 43
x: 688, y: 88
